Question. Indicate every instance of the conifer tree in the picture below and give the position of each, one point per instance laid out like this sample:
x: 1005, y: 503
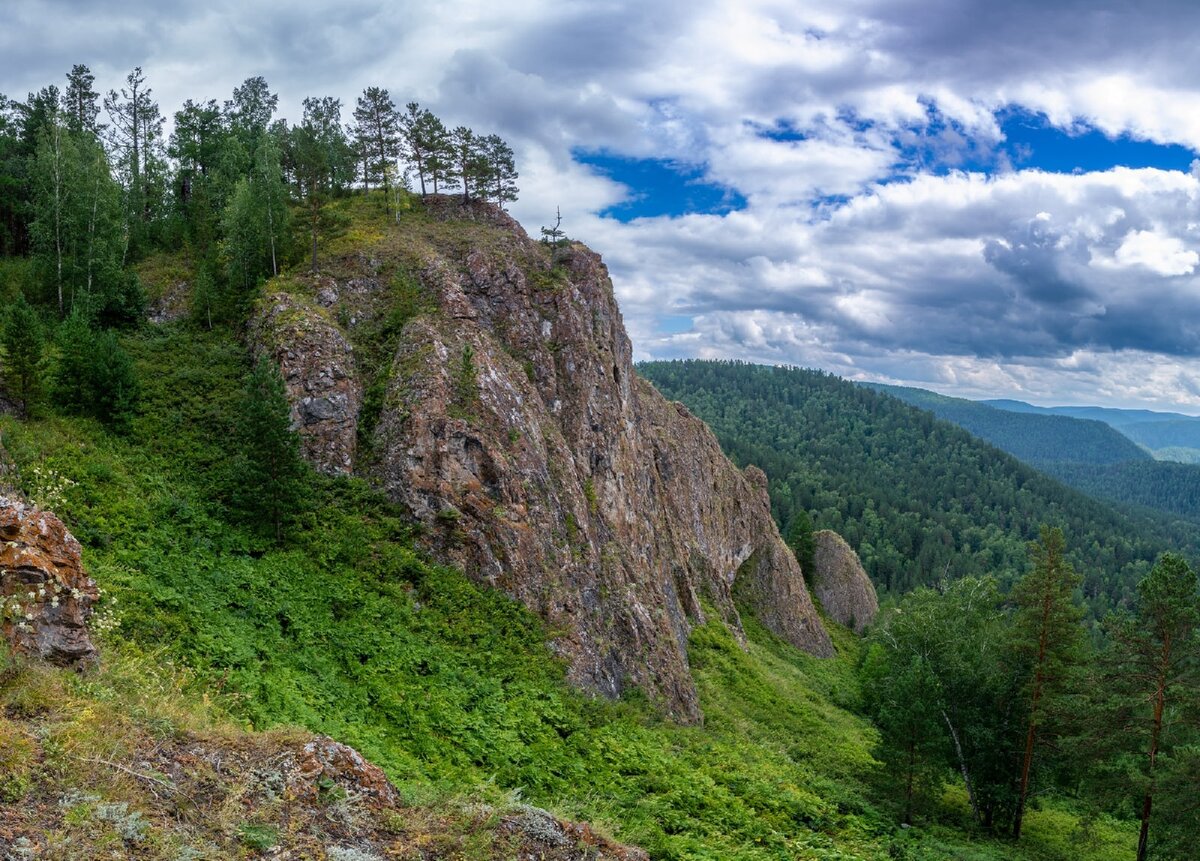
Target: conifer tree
x: 1048, y: 639
x: 322, y: 164
x: 800, y: 539
x: 271, y: 478
x: 417, y: 145
x: 500, y: 171
x: 95, y: 376
x: 24, y: 352
x: 377, y: 133
x: 81, y: 103
x: 136, y: 129
x: 1151, y: 684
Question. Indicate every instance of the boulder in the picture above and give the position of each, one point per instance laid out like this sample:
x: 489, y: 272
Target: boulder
x: 46, y: 596
x: 840, y: 583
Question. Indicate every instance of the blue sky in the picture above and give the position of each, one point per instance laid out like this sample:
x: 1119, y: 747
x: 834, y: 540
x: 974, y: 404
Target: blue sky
x: 985, y: 199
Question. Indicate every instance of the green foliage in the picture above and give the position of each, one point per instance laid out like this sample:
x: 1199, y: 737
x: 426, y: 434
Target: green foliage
x: 1035, y: 438
x: 269, y: 477
x: 918, y: 498
x: 24, y: 356
x: 1048, y: 645
x: 1147, y: 703
x: 800, y: 539
x: 94, y: 375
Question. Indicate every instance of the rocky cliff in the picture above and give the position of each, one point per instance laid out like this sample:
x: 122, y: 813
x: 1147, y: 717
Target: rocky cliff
x: 507, y: 417
x: 840, y: 583
x: 45, y: 596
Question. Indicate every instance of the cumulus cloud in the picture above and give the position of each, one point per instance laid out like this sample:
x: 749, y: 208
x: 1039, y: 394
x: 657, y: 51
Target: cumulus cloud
x: 865, y: 247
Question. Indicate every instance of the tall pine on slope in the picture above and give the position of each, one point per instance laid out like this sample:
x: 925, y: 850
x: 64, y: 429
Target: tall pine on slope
x: 24, y: 351
x: 1047, y: 641
x: 270, y: 478
x: 800, y: 539
x: 1152, y: 689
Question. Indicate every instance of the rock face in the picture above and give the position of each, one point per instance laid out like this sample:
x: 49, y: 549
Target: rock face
x: 841, y: 584
x: 317, y: 363
x: 46, y: 596
x: 515, y: 428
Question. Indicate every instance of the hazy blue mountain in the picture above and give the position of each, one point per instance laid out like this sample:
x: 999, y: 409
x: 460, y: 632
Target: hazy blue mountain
x: 1034, y: 437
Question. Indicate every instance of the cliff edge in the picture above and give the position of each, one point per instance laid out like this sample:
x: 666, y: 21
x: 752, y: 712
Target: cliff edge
x: 500, y: 406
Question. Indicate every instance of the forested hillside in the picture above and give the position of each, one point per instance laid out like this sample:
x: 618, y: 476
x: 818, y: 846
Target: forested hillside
x: 1086, y: 454
x: 919, y: 498
x: 1035, y: 438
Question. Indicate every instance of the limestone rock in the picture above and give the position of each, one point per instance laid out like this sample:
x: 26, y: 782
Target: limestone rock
x: 515, y: 428
x: 45, y: 596
x: 840, y: 583
x: 317, y: 363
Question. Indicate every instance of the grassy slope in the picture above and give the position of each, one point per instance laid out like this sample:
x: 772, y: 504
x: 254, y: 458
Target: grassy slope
x: 449, y: 687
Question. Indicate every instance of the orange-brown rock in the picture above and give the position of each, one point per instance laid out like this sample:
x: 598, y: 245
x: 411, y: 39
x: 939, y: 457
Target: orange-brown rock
x: 324, y: 762
x: 515, y: 428
x: 840, y: 583
x: 46, y: 596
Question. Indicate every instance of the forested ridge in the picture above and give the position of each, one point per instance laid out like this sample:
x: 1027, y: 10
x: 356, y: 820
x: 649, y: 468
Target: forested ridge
x: 1032, y: 437
x: 1087, y: 454
x: 919, y: 498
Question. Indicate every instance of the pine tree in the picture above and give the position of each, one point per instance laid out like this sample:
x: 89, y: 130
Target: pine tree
x: 1152, y: 682
x: 81, y: 103
x: 270, y: 479
x: 501, y: 170
x: 1048, y: 639
x: 320, y: 159
x: 24, y: 353
x: 377, y: 133
x: 416, y: 145
x: 136, y: 128
x: 800, y: 539
x: 95, y: 376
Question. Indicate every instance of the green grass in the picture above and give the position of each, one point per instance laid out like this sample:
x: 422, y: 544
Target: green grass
x: 348, y: 630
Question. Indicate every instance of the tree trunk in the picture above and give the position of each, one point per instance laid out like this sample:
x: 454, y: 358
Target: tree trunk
x: 908, y: 787
x: 1031, y: 735
x: 962, y: 763
x: 1160, y: 697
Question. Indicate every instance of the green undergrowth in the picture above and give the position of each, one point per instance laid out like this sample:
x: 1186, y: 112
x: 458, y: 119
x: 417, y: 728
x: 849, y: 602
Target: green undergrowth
x: 349, y: 631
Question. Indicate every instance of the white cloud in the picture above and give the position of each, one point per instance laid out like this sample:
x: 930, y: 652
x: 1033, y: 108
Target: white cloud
x: 1025, y: 283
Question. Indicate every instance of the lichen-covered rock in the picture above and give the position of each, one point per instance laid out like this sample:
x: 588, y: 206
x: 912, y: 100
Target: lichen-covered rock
x: 317, y: 363
x: 324, y: 762
x: 45, y: 596
x: 171, y: 305
x: 840, y: 583
x: 515, y: 428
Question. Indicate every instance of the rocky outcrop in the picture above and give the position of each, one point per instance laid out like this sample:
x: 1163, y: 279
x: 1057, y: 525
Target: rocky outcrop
x: 317, y: 363
x: 840, y: 583
x: 46, y: 596
x: 515, y: 428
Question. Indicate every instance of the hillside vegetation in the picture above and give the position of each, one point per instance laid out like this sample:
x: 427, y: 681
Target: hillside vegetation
x: 1035, y: 438
x: 918, y: 498
x: 1087, y: 454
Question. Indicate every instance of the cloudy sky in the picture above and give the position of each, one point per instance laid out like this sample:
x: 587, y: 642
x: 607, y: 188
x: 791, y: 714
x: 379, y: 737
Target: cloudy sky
x: 986, y: 199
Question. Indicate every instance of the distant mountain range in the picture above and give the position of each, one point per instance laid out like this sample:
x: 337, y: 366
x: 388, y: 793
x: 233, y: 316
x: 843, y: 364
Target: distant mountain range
x: 1138, y: 458
x: 1168, y: 436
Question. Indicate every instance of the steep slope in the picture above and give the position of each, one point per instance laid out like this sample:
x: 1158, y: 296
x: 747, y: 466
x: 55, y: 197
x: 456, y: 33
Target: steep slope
x: 918, y: 498
x: 506, y: 416
x: 1035, y: 438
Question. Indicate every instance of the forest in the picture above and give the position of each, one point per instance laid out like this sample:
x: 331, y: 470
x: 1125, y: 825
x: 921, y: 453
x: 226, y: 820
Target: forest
x: 1087, y: 454
x: 920, y: 499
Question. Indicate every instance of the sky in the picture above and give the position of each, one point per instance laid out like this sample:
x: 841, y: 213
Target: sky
x: 986, y: 199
